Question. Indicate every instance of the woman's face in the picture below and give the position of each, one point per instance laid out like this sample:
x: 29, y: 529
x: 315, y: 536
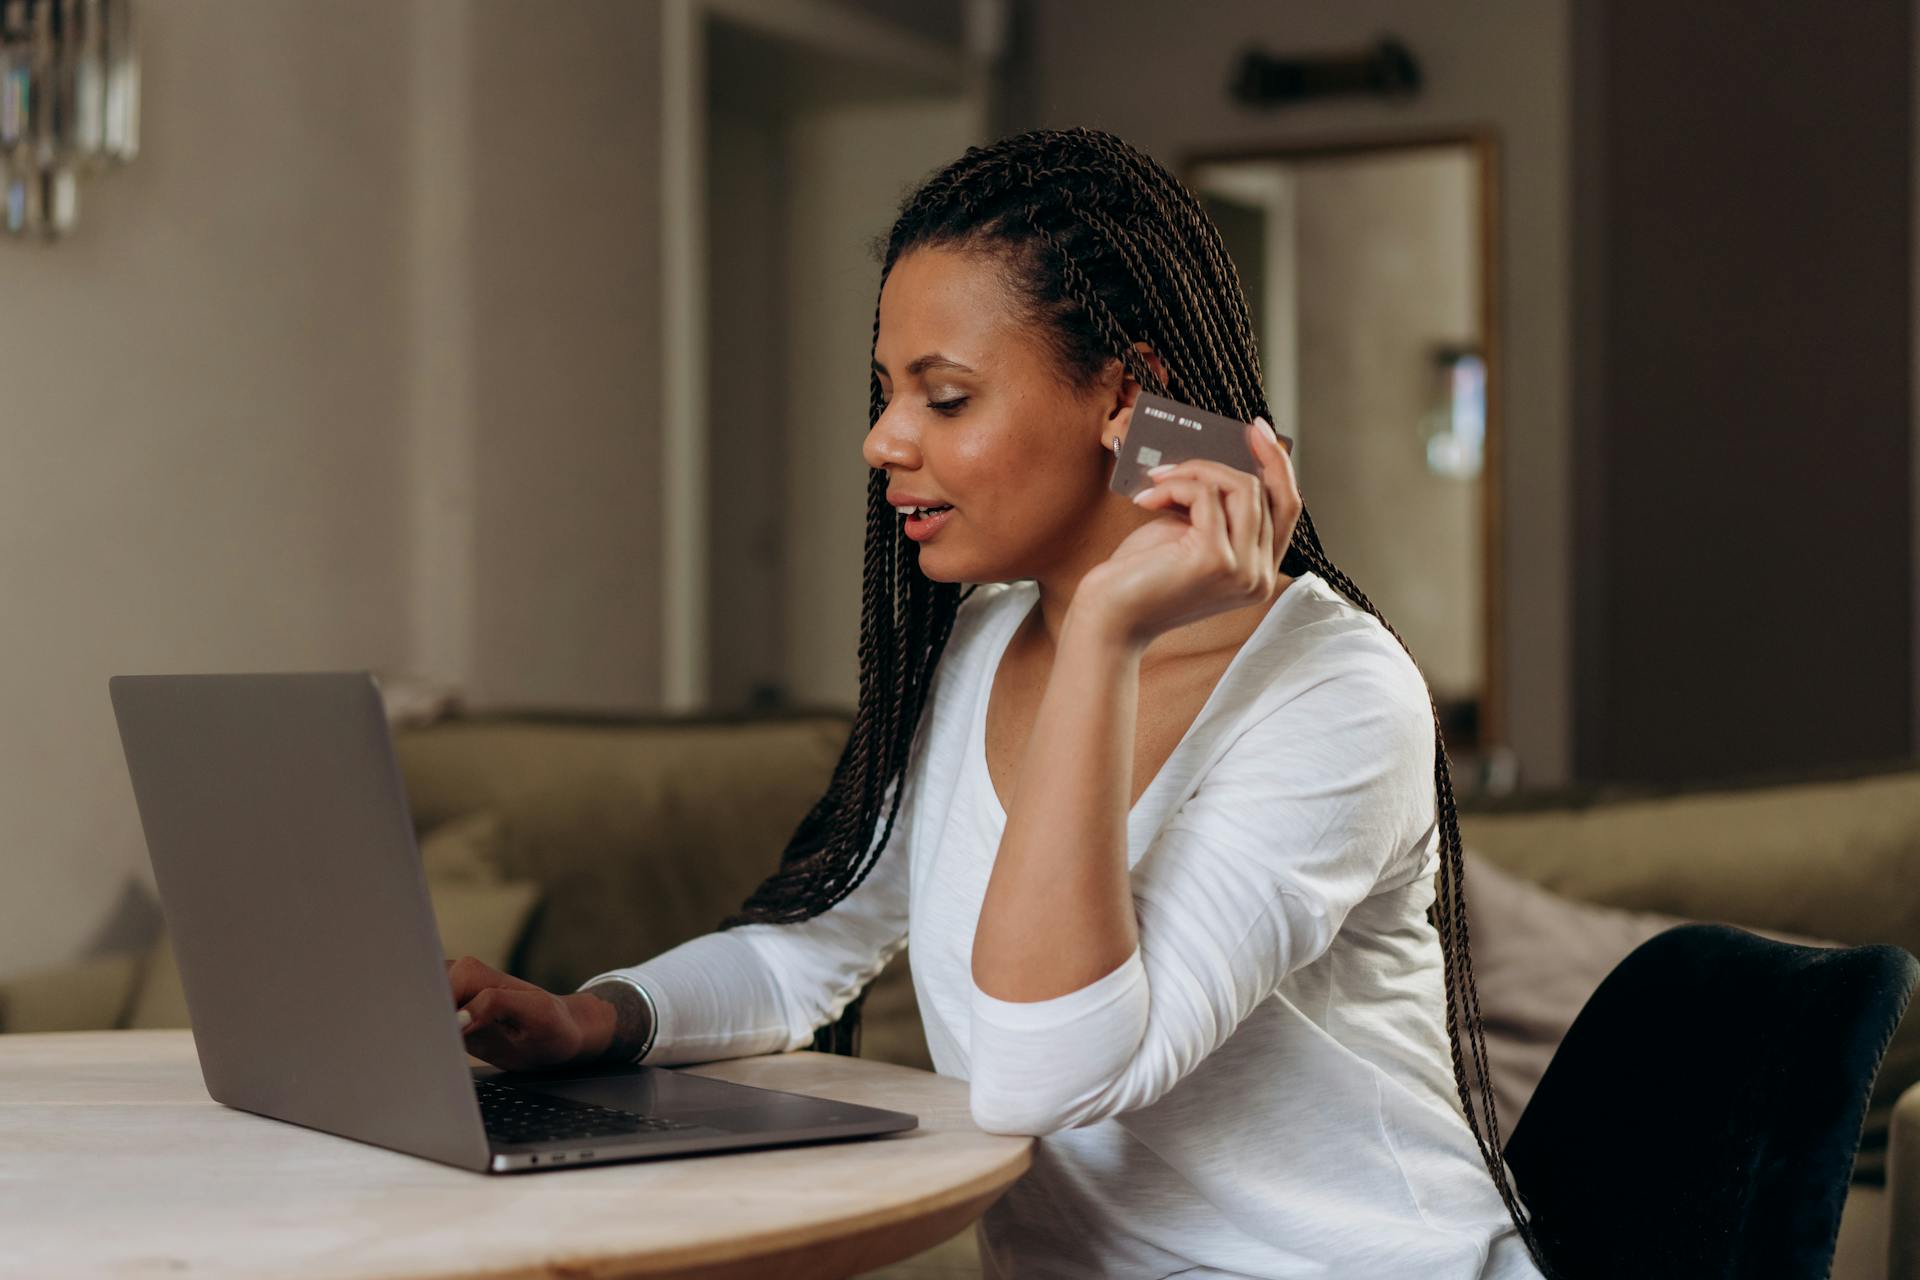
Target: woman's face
x: 975, y: 418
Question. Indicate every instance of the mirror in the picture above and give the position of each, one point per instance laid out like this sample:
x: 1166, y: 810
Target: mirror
x: 1366, y: 268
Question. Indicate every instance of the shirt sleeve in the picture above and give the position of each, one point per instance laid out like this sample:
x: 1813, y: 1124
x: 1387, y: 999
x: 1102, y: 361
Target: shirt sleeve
x: 765, y: 988
x: 1306, y: 812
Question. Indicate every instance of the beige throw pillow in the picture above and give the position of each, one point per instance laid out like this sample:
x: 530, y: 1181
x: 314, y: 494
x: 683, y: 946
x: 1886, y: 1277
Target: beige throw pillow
x: 88, y: 995
x: 479, y: 910
x: 466, y: 850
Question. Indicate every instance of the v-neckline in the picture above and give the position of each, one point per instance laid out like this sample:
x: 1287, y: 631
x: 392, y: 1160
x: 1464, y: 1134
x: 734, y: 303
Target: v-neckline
x: 984, y: 700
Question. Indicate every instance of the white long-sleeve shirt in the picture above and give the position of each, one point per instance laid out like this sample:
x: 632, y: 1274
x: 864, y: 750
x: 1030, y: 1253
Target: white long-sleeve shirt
x: 1263, y: 1088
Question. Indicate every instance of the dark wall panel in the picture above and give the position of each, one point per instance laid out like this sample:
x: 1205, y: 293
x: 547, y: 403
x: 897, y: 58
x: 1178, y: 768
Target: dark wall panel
x: 1742, y: 405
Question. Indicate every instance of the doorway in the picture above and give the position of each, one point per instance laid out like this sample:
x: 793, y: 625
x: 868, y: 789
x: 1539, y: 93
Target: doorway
x: 807, y: 129
x: 1368, y: 271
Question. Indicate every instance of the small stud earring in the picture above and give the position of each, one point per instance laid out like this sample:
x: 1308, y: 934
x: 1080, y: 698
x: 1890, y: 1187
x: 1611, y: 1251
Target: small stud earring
x: 1115, y: 445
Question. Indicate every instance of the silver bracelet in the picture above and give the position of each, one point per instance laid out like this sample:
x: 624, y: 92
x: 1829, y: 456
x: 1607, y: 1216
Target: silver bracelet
x: 636, y: 1018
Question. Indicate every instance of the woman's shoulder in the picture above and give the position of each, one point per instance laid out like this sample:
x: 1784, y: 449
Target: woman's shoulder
x: 1332, y: 675
x: 1325, y: 636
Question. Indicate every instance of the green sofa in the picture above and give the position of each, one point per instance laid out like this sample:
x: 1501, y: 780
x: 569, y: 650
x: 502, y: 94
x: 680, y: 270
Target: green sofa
x: 643, y: 832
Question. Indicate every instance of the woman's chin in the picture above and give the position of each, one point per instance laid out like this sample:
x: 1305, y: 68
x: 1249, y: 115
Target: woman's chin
x: 930, y: 568
x: 936, y: 565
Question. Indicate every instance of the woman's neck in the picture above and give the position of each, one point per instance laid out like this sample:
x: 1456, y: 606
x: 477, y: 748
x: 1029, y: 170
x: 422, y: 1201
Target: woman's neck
x: 1210, y: 635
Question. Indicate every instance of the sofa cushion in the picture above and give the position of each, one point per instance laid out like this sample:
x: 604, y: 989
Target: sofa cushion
x: 1814, y: 858
x: 484, y: 921
x: 87, y: 995
x: 466, y: 850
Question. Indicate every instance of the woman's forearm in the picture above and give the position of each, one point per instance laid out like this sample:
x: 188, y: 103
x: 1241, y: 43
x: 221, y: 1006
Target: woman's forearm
x: 1058, y: 912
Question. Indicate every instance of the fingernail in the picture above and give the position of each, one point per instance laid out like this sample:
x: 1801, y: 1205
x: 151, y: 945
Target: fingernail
x: 1160, y: 470
x: 1267, y: 427
x: 463, y: 1017
x: 1143, y: 495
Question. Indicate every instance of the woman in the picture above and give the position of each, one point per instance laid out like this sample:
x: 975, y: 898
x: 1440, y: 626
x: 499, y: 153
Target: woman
x: 1160, y: 802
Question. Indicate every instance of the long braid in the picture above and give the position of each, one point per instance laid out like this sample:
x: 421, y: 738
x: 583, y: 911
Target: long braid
x: 1101, y: 247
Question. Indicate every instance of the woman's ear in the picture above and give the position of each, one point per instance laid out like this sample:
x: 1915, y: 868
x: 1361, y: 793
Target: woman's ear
x: 1126, y: 388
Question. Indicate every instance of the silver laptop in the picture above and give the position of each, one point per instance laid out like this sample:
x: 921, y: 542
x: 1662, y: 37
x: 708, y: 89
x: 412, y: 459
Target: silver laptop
x: 283, y: 851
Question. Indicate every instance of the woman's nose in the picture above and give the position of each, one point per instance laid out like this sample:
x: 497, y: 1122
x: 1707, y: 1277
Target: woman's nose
x: 887, y: 443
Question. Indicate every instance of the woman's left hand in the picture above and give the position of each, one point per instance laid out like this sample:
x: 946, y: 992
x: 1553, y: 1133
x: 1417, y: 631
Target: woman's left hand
x: 1223, y: 553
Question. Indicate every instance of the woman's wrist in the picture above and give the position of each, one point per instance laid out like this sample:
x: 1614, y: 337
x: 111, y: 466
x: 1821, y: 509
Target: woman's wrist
x: 617, y: 1020
x: 1096, y: 630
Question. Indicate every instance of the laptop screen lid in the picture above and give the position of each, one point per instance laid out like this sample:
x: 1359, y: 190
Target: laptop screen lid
x: 283, y: 851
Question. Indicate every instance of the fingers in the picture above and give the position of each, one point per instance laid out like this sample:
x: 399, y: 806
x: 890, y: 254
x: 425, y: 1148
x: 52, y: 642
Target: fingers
x: 510, y: 1013
x: 1245, y: 499
x: 1201, y: 498
x: 468, y: 977
x: 1276, y: 469
x: 1245, y: 522
x: 507, y: 1021
x: 521, y: 1030
x: 1263, y: 547
x: 492, y: 1009
x: 1257, y: 563
x: 477, y: 985
x: 493, y: 1032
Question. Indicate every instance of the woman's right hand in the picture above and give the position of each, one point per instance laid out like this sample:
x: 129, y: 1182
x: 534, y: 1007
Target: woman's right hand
x: 518, y: 1026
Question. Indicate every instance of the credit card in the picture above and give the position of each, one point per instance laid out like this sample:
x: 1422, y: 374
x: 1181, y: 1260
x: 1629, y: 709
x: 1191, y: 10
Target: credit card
x: 1165, y: 430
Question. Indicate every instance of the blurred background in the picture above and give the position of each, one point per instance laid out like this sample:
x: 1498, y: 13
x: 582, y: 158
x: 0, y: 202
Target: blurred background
x: 516, y: 352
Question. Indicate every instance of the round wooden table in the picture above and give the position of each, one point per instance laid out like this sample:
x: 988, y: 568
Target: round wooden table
x: 114, y: 1161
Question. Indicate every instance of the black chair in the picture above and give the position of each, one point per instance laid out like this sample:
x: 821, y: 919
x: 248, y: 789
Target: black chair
x: 1701, y: 1116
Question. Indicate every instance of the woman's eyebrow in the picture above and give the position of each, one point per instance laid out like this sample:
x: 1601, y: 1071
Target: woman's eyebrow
x: 932, y: 360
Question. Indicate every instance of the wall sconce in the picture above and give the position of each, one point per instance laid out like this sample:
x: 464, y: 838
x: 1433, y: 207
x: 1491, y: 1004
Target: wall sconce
x: 1387, y: 70
x: 69, y: 105
x: 1455, y: 427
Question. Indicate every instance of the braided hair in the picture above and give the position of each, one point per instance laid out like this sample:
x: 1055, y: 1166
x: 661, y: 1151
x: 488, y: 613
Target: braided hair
x: 1098, y: 246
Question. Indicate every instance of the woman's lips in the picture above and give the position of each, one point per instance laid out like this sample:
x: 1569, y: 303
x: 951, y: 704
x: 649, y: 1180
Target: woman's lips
x: 920, y: 527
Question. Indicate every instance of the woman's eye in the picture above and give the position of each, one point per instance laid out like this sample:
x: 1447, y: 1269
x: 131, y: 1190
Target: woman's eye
x: 944, y: 406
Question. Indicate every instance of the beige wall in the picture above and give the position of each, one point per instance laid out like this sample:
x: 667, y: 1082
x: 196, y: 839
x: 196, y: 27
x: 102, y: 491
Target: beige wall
x: 849, y: 167
x: 352, y: 367
x: 565, y: 355
x: 1501, y: 64
x: 747, y: 400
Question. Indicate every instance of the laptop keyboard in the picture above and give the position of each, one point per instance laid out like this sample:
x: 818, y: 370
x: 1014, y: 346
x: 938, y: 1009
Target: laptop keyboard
x: 517, y: 1115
